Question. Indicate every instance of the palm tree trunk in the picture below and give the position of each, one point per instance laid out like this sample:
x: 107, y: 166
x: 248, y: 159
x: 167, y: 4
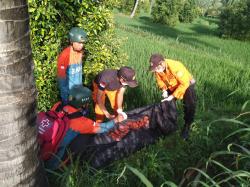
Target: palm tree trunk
x: 19, y: 163
x: 151, y: 5
x: 134, y: 9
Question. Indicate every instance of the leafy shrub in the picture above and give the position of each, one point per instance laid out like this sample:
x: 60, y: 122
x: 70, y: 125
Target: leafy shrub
x: 189, y: 11
x: 126, y: 6
x: 50, y: 22
x: 167, y: 11
x: 145, y: 4
x: 234, y: 20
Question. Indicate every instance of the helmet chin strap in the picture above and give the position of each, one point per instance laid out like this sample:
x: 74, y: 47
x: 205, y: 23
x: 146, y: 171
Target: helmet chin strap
x: 76, y: 50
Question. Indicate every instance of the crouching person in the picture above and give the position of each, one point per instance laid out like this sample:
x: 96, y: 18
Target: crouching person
x: 60, y: 126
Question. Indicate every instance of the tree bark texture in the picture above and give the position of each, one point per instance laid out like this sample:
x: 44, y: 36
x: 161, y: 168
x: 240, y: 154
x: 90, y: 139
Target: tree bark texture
x: 19, y: 163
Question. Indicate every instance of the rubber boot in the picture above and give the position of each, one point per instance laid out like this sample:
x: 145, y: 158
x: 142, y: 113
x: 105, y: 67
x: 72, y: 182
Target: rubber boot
x: 185, y: 132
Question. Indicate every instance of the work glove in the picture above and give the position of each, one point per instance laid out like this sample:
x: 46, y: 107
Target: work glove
x: 165, y: 94
x: 120, y: 111
x: 169, y: 98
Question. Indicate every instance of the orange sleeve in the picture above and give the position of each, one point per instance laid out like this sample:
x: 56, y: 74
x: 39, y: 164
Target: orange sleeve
x: 63, y: 62
x: 184, y: 81
x: 160, y: 82
x: 84, y: 125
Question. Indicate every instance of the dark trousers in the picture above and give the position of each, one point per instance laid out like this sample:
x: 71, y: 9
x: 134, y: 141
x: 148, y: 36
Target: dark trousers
x: 189, y: 104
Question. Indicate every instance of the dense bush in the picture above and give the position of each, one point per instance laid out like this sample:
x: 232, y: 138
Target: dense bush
x: 235, y: 20
x: 126, y: 6
x: 145, y: 5
x: 50, y: 22
x: 170, y: 12
x: 167, y: 11
x: 189, y: 11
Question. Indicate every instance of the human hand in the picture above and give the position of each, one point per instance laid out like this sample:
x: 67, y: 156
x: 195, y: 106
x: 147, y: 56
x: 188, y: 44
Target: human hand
x: 165, y: 94
x: 119, y: 110
x: 109, y: 116
x: 169, y: 98
x: 121, y: 117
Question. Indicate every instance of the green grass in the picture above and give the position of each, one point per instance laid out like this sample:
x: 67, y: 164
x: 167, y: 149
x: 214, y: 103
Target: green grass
x: 222, y: 71
x: 220, y: 67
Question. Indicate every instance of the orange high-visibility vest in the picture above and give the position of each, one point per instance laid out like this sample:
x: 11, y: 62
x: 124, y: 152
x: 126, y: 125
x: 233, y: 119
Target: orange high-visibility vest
x: 176, y: 78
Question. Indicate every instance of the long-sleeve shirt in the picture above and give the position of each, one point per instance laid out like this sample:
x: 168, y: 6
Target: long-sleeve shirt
x: 176, y: 78
x: 69, y: 71
x: 78, y: 125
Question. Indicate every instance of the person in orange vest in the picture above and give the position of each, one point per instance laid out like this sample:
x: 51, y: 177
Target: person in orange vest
x: 176, y: 82
x: 111, y: 82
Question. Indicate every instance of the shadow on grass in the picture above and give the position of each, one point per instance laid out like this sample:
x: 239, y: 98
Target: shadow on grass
x: 221, y: 100
x: 186, y: 37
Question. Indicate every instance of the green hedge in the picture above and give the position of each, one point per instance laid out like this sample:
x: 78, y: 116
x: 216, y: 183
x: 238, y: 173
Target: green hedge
x: 50, y: 21
x: 235, y: 20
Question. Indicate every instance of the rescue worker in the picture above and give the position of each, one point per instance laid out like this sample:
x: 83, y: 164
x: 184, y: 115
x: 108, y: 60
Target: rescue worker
x: 79, y: 100
x: 69, y: 63
x: 112, y: 83
x: 176, y: 82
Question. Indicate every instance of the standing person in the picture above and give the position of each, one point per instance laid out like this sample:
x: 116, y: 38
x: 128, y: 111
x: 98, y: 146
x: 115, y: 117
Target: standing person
x: 176, y: 82
x: 112, y: 83
x: 69, y: 63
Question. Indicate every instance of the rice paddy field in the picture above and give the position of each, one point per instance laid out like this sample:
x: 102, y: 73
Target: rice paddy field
x: 222, y: 71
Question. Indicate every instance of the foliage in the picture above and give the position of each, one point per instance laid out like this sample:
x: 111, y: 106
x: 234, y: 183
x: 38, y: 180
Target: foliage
x: 50, y: 22
x: 189, y: 11
x: 203, y: 5
x: 170, y: 12
x: 145, y: 4
x: 167, y: 11
x: 126, y: 6
x: 214, y: 9
x: 234, y: 20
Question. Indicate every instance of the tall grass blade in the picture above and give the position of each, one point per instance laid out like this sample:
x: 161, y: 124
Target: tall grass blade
x: 169, y: 183
x: 232, y: 93
x: 140, y: 176
x: 237, y: 132
x: 244, y: 105
x: 240, y: 146
x: 198, y: 182
x: 122, y: 173
x: 206, y: 175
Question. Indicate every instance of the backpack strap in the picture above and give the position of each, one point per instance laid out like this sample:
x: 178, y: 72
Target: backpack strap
x: 74, y: 115
x: 59, y: 107
x: 77, y: 114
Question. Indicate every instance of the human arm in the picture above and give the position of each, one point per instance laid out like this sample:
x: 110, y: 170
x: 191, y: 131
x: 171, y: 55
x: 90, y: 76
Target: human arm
x: 85, y: 125
x: 120, y: 95
x: 100, y: 94
x: 160, y: 82
x: 62, y: 66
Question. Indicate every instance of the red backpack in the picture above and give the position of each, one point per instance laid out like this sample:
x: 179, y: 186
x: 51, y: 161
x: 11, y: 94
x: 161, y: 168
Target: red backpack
x: 52, y: 127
